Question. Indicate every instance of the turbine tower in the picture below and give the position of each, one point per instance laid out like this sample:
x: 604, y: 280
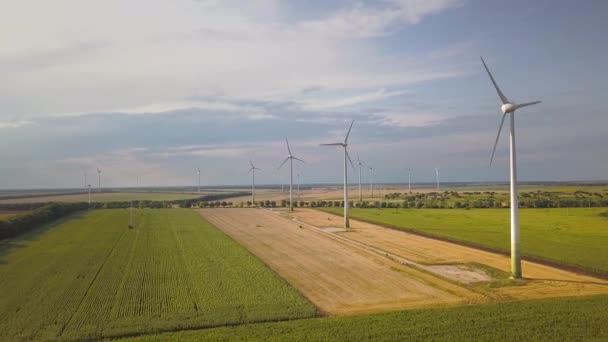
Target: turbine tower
x: 508, y: 107
x: 290, y: 157
x: 344, y: 144
x: 437, y: 177
x: 409, y: 180
x: 198, y: 172
x: 252, y: 169
x: 371, y: 180
x: 360, y: 165
x: 98, y: 180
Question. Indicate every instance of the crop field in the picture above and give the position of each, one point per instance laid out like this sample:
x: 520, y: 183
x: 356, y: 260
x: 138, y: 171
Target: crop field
x: 93, y: 277
x: 571, y: 319
x: 105, y: 197
x: 575, y: 236
x: 394, y: 269
x: 324, y: 269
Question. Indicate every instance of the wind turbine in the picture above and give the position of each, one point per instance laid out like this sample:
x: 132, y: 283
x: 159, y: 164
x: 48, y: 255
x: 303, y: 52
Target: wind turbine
x: 359, y: 165
x: 437, y: 177
x: 252, y: 171
x: 371, y: 180
x: 344, y: 144
x: 198, y: 171
x: 409, y: 180
x: 98, y: 180
x: 290, y: 157
x: 510, y: 108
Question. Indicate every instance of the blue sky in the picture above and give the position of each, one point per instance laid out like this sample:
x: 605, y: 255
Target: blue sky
x: 149, y: 90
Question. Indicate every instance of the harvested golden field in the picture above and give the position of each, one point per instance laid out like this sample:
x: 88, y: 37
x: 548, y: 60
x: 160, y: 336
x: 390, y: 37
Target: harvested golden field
x: 434, y: 255
x: 337, y: 277
x: 371, y: 268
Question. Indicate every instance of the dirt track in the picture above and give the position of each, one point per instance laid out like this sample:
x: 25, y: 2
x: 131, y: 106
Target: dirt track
x: 372, y: 268
x: 336, y: 277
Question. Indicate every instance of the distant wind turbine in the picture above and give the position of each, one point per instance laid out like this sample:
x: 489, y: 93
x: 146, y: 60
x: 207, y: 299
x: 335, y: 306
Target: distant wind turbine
x: 371, y: 180
x: 409, y: 180
x: 344, y: 145
x: 437, y: 177
x: 98, y: 180
x: 252, y: 169
x: 360, y: 166
x: 510, y: 108
x: 198, y: 172
x: 290, y: 157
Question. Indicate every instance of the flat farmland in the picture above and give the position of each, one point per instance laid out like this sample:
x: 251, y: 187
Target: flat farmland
x: 440, y: 257
x: 104, y: 197
x: 336, y: 277
x: 575, y: 236
x: 92, y: 277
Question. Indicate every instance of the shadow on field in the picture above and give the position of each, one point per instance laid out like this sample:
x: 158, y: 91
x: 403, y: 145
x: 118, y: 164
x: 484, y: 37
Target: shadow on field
x: 9, y: 245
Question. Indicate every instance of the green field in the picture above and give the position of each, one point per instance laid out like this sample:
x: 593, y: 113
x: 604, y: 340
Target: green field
x: 571, y: 236
x: 572, y: 319
x: 92, y: 277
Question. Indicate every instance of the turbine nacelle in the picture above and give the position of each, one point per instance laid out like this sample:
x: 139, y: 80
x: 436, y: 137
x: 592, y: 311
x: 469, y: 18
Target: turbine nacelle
x: 508, y: 108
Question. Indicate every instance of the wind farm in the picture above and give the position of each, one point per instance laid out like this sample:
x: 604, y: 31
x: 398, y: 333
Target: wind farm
x: 303, y: 172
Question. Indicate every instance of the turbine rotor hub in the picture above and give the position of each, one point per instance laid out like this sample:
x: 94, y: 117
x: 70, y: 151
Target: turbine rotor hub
x: 508, y: 108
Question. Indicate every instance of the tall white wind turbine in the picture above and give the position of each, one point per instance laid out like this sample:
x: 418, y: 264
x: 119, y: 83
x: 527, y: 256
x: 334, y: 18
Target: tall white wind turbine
x: 98, y: 180
x: 252, y: 169
x: 347, y: 159
x: 198, y: 172
x: 360, y: 166
x: 437, y: 177
x: 290, y: 157
x: 508, y: 107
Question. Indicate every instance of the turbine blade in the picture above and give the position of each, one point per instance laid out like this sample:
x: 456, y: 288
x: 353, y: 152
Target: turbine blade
x: 288, y: 149
x: 497, y: 136
x: 503, y: 98
x: 527, y: 104
x: 348, y: 133
x: 348, y: 156
x: 334, y: 144
x: 298, y: 159
x: 283, y: 163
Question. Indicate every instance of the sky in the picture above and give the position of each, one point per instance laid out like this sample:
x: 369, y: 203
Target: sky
x: 149, y: 90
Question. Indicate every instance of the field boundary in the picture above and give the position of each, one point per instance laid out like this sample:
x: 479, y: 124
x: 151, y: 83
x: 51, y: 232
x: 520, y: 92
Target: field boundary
x: 552, y: 263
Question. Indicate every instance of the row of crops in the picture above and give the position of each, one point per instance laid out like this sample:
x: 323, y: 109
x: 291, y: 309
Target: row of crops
x: 93, y: 277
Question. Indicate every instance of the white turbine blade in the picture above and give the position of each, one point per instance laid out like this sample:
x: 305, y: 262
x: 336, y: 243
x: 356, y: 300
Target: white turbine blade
x: 298, y: 159
x: 348, y: 133
x: 527, y: 104
x: 334, y: 144
x: 283, y: 163
x: 503, y: 98
x: 497, y: 136
x: 288, y: 149
x: 348, y: 156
